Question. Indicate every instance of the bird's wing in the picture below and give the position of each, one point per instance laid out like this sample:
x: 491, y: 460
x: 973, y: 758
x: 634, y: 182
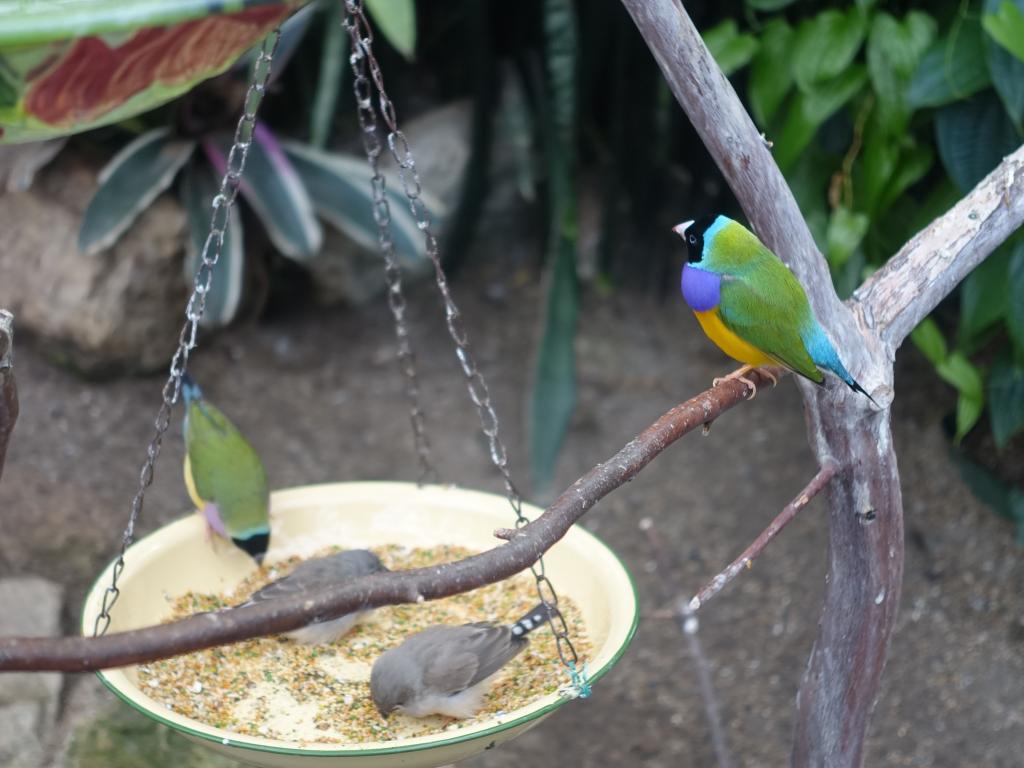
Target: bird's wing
x: 469, y: 654
x: 225, y: 469
x: 765, y: 306
x: 318, y: 573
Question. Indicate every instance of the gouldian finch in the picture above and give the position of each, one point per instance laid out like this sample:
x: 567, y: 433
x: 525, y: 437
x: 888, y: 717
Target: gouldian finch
x: 315, y: 574
x: 224, y: 476
x: 446, y: 670
x: 751, y: 305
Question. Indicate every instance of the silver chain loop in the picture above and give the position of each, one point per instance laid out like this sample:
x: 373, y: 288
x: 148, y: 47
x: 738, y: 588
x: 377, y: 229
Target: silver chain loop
x: 362, y: 58
x: 221, y: 206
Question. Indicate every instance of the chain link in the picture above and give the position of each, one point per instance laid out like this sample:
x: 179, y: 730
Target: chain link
x: 362, y: 58
x: 392, y: 271
x: 221, y: 207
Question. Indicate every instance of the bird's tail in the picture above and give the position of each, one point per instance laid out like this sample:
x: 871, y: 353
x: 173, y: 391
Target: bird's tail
x: 840, y: 370
x: 535, y: 618
x: 189, y: 389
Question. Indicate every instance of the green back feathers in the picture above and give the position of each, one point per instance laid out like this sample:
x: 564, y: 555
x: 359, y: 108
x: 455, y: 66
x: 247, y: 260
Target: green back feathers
x: 226, y: 469
x: 762, y: 302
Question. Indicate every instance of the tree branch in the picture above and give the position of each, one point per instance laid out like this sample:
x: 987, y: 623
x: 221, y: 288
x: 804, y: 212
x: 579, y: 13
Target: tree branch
x: 757, y: 546
x: 522, y: 550
x: 8, y: 388
x: 901, y: 294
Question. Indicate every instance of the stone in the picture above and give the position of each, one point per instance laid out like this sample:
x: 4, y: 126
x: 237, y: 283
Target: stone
x: 117, y: 311
x: 28, y: 700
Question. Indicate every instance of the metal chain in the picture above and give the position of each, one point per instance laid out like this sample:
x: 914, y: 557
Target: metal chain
x: 392, y: 271
x: 362, y: 58
x: 221, y: 206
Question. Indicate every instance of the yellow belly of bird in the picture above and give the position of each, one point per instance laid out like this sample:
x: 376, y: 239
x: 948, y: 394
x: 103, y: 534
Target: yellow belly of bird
x: 190, y: 484
x: 729, y: 342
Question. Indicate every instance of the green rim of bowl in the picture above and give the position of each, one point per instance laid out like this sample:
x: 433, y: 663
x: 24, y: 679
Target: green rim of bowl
x: 356, y: 752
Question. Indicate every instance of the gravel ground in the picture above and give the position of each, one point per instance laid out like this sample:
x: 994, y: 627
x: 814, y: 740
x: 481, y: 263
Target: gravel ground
x: 318, y: 393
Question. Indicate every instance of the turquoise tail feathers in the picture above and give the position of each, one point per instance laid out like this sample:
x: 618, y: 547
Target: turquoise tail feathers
x: 189, y: 389
x: 825, y: 356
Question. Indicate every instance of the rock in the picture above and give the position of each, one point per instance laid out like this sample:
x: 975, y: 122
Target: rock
x: 28, y: 700
x: 117, y: 311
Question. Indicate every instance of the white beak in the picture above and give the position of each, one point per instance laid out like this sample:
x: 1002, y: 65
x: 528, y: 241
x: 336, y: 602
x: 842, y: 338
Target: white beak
x: 680, y: 229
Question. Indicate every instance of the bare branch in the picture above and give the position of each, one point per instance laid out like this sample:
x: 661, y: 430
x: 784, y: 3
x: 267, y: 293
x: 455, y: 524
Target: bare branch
x: 8, y: 389
x: 925, y: 270
x: 746, y: 559
x: 689, y: 626
x: 210, y: 629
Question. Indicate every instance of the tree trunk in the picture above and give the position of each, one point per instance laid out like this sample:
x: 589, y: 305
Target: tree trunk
x: 8, y: 390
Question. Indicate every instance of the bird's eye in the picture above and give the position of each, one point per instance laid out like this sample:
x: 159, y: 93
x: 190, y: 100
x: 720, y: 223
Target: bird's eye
x: 693, y: 239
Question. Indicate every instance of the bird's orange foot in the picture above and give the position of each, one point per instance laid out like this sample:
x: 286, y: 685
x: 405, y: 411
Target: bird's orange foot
x: 740, y: 374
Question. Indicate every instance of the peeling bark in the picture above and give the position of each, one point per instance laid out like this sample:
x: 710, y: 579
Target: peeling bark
x: 8, y: 388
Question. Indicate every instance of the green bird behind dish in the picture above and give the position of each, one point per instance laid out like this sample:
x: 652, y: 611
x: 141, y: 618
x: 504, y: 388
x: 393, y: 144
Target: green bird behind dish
x: 224, y: 476
x: 751, y: 305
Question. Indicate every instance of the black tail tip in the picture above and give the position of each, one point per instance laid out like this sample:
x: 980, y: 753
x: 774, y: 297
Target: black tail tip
x: 858, y: 388
x: 535, y: 618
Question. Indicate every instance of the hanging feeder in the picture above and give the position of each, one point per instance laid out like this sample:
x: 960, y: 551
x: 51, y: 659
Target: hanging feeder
x: 307, y: 519
x: 178, y: 559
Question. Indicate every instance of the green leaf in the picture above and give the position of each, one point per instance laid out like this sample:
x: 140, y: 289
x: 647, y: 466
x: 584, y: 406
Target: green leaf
x: 973, y: 137
x: 340, y: 187
x: 957, y: 370
x: 332, y: 65
x: 810, y: 109
x: 1015, y: 299
x: 893, y: 51
x: 968, y: 411
x: 1004, y: 53
x: 273, y: 189
x: 396, y: 20
x: 984, y: 297
x: 770, y: 74
x: 730, y: 49
x: 128, y: 184
x: 826, y: 45
x: 562, y: 52
x: 986, y: 486
x: 952, y: 69
x: 929, y: 339
x: 768, y: 5
x: 915, y: 161
x: 1006, y: 398
x: 846, y: 230
x: 1005, y: 25
x: 225, y: 296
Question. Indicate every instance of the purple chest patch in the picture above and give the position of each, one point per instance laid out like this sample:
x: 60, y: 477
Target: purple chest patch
x: 701, y: 290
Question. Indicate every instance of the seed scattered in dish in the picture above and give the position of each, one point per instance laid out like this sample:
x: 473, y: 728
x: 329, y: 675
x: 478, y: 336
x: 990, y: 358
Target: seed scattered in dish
x: 279, y: 689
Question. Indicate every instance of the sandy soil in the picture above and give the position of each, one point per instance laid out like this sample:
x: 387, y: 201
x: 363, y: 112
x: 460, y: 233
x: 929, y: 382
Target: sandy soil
x: 319, y: 394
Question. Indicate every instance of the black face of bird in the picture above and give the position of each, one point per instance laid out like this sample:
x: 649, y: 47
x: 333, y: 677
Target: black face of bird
x: 692, y: 233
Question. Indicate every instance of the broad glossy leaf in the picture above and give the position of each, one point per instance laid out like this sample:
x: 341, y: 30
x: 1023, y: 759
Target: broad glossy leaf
x: 893, y: 51
x: 957, y: 370
x: 341, y: 190
x: 128, y: 184
x: 769, y: 5
x: 951, y: 69
x: 914, y: 163
x: 730, y: 49
x: 929, y: 339
x: 396, y: 20
x: 984, y: 297
x: 1015, y: 317
x: 809, y: 110
x: 562, y: 52
x: 973, y: 137
x: 1004, y: 52
x: 332, y: 63
x: 968, y: 410
x: 771, y: 77
x: 1004, y: 22
x: 826, y: 45
x: 846, y: 230
x: 273, y: 189
x: 1006, y: 397
x: 225, y: 295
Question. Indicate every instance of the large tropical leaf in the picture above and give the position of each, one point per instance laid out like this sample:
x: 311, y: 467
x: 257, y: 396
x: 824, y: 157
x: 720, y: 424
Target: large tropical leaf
x: 1004, y: 53
x: 554, y: 387
x: 341, y: 190
x: 952, y: 69
x: 332, y: 65
x: 275, y: 191
x: 225, y: 295
x: 128, y: 184
x: 973, y: 137
x: 396, y: 20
